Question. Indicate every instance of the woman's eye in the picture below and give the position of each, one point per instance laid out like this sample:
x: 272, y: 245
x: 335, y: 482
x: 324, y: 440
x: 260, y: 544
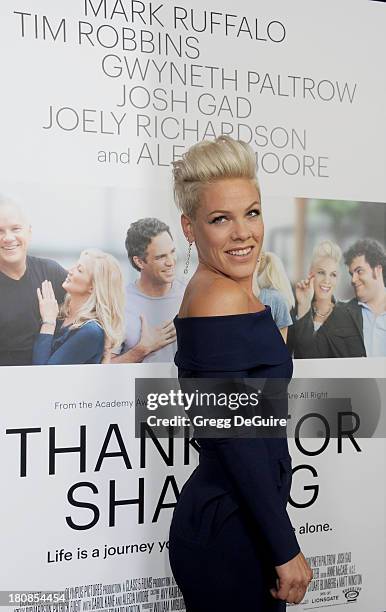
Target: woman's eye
x: 218, y: 219
x: 254, y: 212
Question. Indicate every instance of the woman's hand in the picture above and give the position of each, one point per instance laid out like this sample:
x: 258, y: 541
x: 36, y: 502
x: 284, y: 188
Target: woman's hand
x: 293, y: 580
x: 48, y: 307
x: 304, y: 292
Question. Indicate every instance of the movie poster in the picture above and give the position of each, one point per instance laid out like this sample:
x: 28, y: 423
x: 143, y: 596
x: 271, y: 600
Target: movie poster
x: 98, y: 99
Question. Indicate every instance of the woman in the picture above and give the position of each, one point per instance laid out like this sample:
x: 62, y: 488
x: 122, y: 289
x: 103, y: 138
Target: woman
x: 230, y: 526
x: 272, y: 287
x: 315, y: 299
x: 91, y: 319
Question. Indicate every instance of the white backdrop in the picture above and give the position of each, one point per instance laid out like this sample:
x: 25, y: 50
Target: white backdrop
x: 315, y: 104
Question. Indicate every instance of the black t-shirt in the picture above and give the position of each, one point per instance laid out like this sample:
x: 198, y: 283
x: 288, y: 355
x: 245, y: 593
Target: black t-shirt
x: 20, y: 319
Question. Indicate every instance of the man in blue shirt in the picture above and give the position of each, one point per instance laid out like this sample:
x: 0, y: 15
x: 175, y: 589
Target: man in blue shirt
x: 154, y: 299
x: 359, y: 327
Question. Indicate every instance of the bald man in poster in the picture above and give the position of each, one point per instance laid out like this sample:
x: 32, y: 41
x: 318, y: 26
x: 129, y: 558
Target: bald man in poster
x: 20, y: 276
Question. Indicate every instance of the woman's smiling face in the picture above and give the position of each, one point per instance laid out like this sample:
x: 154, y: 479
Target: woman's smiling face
x: 228, y: 227
x: 325, y: 271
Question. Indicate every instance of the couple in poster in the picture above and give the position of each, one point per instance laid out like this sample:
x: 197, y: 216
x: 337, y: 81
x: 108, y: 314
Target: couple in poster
x: 50, y: 315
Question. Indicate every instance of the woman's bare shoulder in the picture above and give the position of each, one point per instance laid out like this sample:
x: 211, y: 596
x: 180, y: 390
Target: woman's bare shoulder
x: 215, y: 297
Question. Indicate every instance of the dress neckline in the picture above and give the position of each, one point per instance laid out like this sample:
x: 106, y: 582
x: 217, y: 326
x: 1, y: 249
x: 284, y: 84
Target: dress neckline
x: 264, y: 311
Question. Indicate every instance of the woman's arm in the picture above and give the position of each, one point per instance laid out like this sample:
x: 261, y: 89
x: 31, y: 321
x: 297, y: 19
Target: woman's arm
x: 304, y: 292
x: 81, y: 345
x: 253, y: 473
x: 247, y: 463
x: 252, y: 463
x: 284, y: 333
x: 48, y: 308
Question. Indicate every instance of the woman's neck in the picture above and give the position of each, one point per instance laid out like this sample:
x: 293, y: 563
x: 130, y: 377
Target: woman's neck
x: 74, y: 306
x: 323, y: 305
x: 244, y: 283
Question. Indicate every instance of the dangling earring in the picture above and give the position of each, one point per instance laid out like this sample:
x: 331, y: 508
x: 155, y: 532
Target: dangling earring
x: 186, y: 269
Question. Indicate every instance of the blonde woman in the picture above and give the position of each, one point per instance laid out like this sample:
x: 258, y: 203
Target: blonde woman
x: 272, y: 287
x: 315, y: 299
x: 230, y: 525
x: 91, y: 319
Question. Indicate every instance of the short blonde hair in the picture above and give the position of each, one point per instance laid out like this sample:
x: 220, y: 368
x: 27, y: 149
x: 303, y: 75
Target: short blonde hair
x: 270, y: 274
x: 325, y: 249
x: 107, y: 301
x: 209, y: 161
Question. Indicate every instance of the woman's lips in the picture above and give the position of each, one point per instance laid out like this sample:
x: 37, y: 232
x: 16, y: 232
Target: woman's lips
x: 240, y: 253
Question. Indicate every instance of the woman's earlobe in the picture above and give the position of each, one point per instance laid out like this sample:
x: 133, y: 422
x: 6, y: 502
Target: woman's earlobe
x: 189, y: 238
x: 186, y: 225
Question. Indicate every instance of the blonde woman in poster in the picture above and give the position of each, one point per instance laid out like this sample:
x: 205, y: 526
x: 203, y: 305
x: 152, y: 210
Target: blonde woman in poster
x: 230, y: 526
x: 315, y: 299
x: 91, y: 319
x: 272, y: 287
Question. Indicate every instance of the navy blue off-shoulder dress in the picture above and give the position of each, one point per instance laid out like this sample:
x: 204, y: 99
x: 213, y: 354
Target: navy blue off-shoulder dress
x: 230, y: 526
